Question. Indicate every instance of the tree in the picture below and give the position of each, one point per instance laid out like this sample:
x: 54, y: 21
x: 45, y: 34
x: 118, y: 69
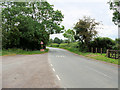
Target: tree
x: 115, y: 6
x: 69, y: 34
x: 26, y: 24
x: 51, y: 41
x: 102, y: 42
x: 85, y: 30
x: 117, y: 44
x: 57, y: 40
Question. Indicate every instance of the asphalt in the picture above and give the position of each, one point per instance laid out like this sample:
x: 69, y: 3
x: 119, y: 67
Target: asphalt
x: 74, y: 71
x: 28, y: 71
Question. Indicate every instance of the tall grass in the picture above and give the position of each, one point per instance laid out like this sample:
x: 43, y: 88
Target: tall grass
x: 21, y: 52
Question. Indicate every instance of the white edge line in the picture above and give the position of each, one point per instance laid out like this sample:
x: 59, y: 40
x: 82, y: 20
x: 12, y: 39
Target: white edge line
x: 51, y: 64
x: 58, y: 77
x: 53, y: 69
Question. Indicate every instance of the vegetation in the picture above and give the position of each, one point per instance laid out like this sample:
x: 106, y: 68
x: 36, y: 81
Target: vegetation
x: 69, y: 34
x: 26, y: 24
x: 103, y: 42
x: 85, y: 31
x: 116, y: 14
x: 21, y: 52
x: 57, y: 40
x: 54, y: 45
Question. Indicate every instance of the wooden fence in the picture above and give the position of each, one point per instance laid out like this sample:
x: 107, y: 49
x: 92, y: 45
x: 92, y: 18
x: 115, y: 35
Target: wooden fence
x: 97, y: 50
x: 113, y: 54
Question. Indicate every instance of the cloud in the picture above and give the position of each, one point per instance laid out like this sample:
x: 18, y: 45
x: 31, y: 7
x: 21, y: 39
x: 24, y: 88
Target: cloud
x: 77, y: 1
x: 73, y: 16
x: 108, y: 31
x: 60, y: 36
x: 74, y: 10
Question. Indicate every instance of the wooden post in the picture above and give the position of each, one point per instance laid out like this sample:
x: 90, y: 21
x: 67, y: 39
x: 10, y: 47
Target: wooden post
x: 101, y: 51
x: 115, y: 55
x: 107, y: 54
x: 96, y: 50
x: 92, y: 49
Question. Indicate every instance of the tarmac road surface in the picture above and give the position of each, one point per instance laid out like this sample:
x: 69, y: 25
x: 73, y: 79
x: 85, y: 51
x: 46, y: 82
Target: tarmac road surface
x: 74, y: 71
x: 28, y: 71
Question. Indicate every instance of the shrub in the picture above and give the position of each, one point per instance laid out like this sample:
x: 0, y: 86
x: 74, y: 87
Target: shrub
x: 74, y: 45
x: 102, y: 42
x: 63, y: 45
x: 54, y: 45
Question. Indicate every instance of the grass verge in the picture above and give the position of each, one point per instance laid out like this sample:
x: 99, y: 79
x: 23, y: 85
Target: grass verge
x: 21, y: 52
x: 95, y: 56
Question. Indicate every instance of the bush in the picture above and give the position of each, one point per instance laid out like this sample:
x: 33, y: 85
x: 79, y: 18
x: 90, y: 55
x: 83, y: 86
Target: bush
x: 74, y: 45
x: 54, y: 45
x: 102, y: 42
x: 63, y: 45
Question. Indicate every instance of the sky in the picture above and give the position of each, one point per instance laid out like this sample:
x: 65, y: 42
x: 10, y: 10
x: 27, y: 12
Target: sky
x: 73, y: 10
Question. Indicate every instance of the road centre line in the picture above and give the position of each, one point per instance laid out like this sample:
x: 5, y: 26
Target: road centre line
x: 99, y: 72
x: 58, y: 77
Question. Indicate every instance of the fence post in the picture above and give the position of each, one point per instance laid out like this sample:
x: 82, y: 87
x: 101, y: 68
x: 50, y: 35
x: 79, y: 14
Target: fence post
x: 115, y: 55
x: 101, y: 51
x: 96, y: 50
x: 92, y: 49
x: 107, y: 54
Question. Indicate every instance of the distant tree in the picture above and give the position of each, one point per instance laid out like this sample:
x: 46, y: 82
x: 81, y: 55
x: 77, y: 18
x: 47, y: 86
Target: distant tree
x: 102, y: 42
x: 61, y: 41
x: 57, y: 40
x: 69, y: 34
x: 85, y: 30
x: 51, y: 41
x: 66, y: 41
x: 115, y: 6
x: 117, y: 44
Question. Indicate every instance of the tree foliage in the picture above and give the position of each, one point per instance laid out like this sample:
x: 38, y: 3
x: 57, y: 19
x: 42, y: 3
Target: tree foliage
x: 69, y: 34
x: 85, y: 30
x: 57, y: 40
x: 115, y: 6
x: 102, y: 42
x: 26, y: 24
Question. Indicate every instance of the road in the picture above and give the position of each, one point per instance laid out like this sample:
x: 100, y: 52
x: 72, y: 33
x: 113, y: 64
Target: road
x: 74, y: 71
x: 28, y: 71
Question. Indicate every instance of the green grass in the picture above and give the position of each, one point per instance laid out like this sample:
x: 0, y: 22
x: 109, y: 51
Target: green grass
x: 20, y: 52
x: 95, y: 56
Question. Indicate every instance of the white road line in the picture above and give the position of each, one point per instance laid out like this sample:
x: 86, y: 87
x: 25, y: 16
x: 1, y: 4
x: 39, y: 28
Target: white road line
x: 53, y: 69
x: 51, y: 64
x: 58, y: 77
x: 100, y: 72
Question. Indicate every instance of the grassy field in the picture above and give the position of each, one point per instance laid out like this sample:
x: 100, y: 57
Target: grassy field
x: 20, y: 52
x: 95, y: 56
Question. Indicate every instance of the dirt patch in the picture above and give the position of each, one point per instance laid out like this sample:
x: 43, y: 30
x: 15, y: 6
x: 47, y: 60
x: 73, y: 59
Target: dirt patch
x: 93, y: 55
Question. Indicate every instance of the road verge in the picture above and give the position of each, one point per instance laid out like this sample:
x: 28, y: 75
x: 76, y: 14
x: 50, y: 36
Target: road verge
x: 12, y: 52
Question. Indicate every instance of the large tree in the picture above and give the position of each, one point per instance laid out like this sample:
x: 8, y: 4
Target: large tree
x: 85, y: 30
x: 115, y: 6
x: 26, y: 24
